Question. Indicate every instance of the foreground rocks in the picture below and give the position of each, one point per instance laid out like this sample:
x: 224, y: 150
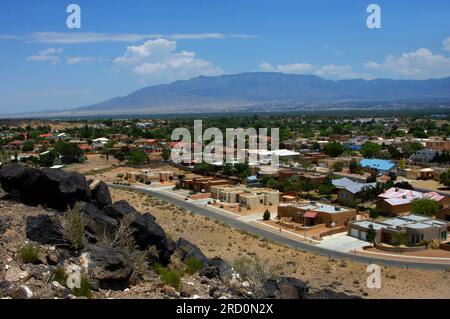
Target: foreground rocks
x: 110, y: 266
x: 117, y: 241
x: 52, y: 188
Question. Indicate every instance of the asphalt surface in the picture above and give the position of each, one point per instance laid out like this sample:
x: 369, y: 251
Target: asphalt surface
x: 279, y: 237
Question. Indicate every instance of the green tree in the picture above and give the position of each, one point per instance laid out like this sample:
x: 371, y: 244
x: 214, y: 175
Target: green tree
x: 138, y: 157
x: 333, y: 149
x: 445, y: 178
x: 266, y: 215
x: 28, y: 146
x: 371, y: 234
x: 425, y: 206
x: 370, y: 149
x: 165, y: 153
x: 338, y: 166
x: 354, y: 167
x: 70, y: 153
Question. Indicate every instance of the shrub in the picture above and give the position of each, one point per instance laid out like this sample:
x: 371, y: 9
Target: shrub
x: 59, y: 275
x: 29, y: 254
x: 171, y: 278
x: 266, y: 215
x: 85, y: 289
x: 193, y: 265
x: 435, y: 244
x: 73, y: 224
x: 255, y: 271
x: 423, y: 242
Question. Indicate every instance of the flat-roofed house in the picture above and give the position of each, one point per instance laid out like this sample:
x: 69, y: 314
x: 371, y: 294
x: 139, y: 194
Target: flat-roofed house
x: 381, y: 166
x: 246, y: 197
x: 313, y: 213
x: 416, y: 228
x: 350, y: 190
x: 397, y: 201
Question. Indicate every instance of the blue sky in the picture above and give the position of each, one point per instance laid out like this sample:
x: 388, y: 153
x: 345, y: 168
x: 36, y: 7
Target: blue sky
x: 125, y: 45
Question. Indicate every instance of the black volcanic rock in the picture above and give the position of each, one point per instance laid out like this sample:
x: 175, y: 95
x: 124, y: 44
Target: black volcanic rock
x: 45, y: 229
x: 110, y: 266
x: 216, y: 268
x: 285, y: 288
x: 188, y: 250
x: 5, y: 223
x: 100, y: 194
x: 146, y: 232
x: 97, y: 224
x: 52, y: 188
x: 330, y: 294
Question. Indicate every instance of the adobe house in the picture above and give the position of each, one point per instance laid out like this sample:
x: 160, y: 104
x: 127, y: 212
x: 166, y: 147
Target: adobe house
x: 416, y: 228
x: 349, y: 190
x: 203, y: 184
x: 246, y: 197
x: 314, y: 213
x: 397, y: 201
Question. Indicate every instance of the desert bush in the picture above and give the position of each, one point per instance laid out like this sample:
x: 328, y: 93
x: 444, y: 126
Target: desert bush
x: 254, y: 271
x: 73, y: 224
x: 59, y: 275
x: 85, y: 289
x: 435, y: 244
x: 424, y: 242
x: 266, y: 215
x: 193, y: 265
x: 29, y: 254
x: 169, y: 277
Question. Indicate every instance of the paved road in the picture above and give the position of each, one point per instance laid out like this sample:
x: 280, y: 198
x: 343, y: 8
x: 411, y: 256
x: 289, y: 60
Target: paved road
x: 279, y: 237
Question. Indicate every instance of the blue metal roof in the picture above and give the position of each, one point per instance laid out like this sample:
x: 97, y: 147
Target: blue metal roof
x: 379, y: 164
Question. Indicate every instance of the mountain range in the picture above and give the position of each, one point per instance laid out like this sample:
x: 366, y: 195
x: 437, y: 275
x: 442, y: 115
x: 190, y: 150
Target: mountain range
x: 259, y: 91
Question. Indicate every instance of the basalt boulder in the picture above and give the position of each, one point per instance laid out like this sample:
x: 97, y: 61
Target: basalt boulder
x: 216, y: 268
x: 328, y: 293
x: 110, y: 266
x: 98, y: 225
x: 100, y: 194
x: 186, y: 250
x: 285, y: 288
x: 146, y: 232
x: 45, y: 229
x: 5, y: 223
x: 51, y: 188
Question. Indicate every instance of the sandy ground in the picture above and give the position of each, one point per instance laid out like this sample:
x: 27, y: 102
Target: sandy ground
x: 94, y: 162
x: 320, y: 271
x: 243, y: 211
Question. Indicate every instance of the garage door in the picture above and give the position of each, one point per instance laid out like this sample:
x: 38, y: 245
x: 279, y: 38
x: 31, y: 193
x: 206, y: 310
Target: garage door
x: 354, y: 232
x: 363, y: 235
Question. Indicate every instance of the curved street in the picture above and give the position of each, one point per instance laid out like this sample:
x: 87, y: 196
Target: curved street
x: 276, y: 236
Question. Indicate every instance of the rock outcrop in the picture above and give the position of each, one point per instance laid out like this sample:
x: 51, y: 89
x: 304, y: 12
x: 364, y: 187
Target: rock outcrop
x: 110, y: 266
x: 52, y: 188
x: 45, y: 229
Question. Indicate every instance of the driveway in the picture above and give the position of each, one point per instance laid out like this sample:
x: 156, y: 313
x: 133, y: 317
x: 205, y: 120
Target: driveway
x: 342, y: 243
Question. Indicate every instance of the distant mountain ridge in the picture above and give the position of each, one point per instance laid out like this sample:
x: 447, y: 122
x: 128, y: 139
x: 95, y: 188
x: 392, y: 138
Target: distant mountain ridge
x: 203, y: 93
x: 242, y: 91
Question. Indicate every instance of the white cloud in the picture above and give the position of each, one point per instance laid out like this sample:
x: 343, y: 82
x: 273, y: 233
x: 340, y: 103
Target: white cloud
x: 80, y: 60
x: 48, y: 55
x: 92, y: 37
x: 419, y: 64
x: 159, y: 59
x: 446, y: 44
x: 329, y: 71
